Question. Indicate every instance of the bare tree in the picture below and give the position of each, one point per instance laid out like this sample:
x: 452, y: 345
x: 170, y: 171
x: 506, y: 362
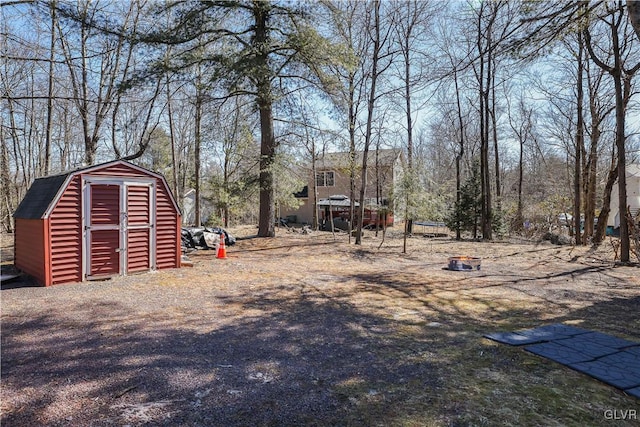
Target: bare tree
x: 7, y: 206
x: 380, y: 39
x: 197, y: 143
x: 579, y: 141
x: 52, y: 54
x: 411, y: 27
x: 521, y: 122
x: 231, y: 130
x: 621, y: 73
x: 454, y: 61
x: 88, y: 98
x: 350, y: 90
x: 488, y: 35
x: 600, y: 108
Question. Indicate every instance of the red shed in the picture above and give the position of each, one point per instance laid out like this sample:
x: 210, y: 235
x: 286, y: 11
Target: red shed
x: 99, y: 221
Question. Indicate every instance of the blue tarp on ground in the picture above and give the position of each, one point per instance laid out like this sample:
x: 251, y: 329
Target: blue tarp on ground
x: 610, y: 359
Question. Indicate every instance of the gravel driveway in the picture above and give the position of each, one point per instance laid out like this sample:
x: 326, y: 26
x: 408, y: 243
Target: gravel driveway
x: 305, y: 330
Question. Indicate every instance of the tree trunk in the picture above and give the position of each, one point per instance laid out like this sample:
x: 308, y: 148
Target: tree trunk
x: 352, y: 156
x: 5, y: 185
x: 378, y: 189
x: 519, y: 213
x: 264, y: 100
x: 314, y: 185
x: 484, y: 56
x: 370, y: 108
x: 487, y: 217
x: 620, y: 145
x: 494, y: 129
x: 579, y: 144
x: 226, y: 162
x: 633, y: 6
x: 407, y: 97
x: 622, y: 169
x: 172, y: 137
x: 266, y: 218
x: 52, y: 47
x: 90, y: 147
x: 225, y: 185
x: 196, y: 153
x: 460, y: 154
x: 590, y: 184
x: 606, y: 202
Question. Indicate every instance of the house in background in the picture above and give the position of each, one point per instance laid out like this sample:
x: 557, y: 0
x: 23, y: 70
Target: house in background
x: 633, y: 197
x: 189, y: 208
x: 332, y: 184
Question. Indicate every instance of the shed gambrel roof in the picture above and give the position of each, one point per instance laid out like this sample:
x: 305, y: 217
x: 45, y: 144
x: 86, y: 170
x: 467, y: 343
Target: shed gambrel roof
x: 40, y: 195
x: 46, y: 190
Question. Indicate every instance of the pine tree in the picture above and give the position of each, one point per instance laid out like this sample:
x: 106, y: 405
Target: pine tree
x: 466, y: 214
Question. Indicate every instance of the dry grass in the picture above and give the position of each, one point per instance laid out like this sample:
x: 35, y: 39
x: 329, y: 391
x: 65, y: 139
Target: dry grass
x: 309, y: 330
x: 6, y: 249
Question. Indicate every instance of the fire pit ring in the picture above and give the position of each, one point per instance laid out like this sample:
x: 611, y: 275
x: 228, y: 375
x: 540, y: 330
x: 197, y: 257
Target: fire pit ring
x: 464, y: 263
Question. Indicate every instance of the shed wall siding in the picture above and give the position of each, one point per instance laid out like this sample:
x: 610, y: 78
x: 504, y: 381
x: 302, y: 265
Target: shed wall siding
x: 138, y: 205
x: 66, y: 235
x: 138, y: 250
x: 105, y: 260
x: 119, y: 171
x: 167, y: 222
x: 167, y: 232
x: 138, y: 214
x: 30, y: 247
x: 50, y: 249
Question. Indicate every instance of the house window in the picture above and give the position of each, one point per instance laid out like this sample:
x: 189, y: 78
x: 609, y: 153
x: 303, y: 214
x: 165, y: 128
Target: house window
x: 324, y: 179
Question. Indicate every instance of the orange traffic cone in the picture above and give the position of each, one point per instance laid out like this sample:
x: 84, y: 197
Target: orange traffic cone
x: 222, y: 251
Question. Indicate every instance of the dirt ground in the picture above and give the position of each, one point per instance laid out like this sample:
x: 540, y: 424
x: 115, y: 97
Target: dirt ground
x: 311, y: 330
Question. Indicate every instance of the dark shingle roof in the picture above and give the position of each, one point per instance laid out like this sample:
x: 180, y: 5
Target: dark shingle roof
x: 40, y: 195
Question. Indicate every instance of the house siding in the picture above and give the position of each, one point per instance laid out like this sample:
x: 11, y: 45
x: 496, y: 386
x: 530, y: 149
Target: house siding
x: 386, y: 173
x: 633, y: 196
